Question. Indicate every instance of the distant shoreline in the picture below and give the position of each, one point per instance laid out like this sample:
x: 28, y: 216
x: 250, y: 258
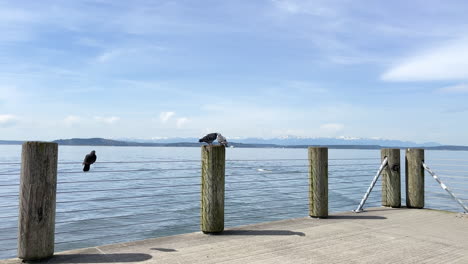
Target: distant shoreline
x: 116, y: 143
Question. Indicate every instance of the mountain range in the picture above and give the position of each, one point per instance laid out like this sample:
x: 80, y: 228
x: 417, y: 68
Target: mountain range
x: 285, y: 142
x: 295, y: 141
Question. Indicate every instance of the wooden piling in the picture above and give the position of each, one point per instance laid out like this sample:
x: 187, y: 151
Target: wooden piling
x: 391, y: 179
x: 318, y: 182
x: 36, y: 222
x: 212, y: 188
x: 414, y: 178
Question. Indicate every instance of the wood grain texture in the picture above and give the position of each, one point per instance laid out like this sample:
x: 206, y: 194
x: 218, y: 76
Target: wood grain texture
x: 391, y: 178
x: 212, y: 188
x: 318, y: 182
x: 414, y: 178
x: 36, y: 223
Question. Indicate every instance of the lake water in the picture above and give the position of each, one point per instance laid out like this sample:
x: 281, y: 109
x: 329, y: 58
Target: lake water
x: 134, y: 193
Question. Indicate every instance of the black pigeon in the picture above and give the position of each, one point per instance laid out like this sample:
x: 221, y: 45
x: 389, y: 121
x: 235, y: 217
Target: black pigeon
x: 209, y: 138
x: 88, y: 160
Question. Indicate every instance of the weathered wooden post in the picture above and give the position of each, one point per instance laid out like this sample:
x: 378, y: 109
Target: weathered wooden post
x: 212, y: 188
x: 414, y: 178
x: 318, y: 182
x: 36, y: 223
x: 391, y: 179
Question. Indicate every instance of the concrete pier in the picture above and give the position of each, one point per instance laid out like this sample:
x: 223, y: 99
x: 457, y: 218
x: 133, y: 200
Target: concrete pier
x: 380, y: 235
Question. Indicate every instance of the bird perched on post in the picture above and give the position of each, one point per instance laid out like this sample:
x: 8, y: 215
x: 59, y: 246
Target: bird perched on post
x: 212, y: 137
x: 88, y: 160
x: 209, y: 138
x: 222, y: 140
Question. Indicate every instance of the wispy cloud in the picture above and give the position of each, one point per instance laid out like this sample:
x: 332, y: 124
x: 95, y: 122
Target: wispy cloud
x: 460, y: 88
x: 332, y: 127
x: 131, y: 52
x: 165, y: 116
x: 7, y: 120
x: 109, y: 55
x: 14, y: 23
x: 316, y: 8
x: 181, y: 121
x: 9, y: 94
x: 72, y: 120
x: 303, y: 86
x: 16, y: 15
x: 448, y: 61
x: 107, y: 120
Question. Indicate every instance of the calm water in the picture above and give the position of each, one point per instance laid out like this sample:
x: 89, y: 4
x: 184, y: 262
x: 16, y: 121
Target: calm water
x: 133, y: 193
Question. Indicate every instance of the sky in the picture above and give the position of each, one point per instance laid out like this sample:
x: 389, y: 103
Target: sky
x: 245, y: 68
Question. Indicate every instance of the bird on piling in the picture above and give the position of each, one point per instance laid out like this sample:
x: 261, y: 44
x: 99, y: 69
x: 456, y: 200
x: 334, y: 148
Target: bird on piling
x: 209, y: 138
x: 212, y: 137
x: 88, y: 160
x: 222, y: 140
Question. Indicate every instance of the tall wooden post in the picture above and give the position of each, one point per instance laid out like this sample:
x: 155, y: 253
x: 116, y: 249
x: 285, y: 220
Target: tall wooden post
x: 212, y: 188
x: 36, y: 223
x: 318, y: 182
x: 391, y: 179
x: 414, y: 178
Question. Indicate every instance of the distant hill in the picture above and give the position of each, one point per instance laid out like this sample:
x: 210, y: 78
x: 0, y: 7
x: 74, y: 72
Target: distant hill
x: 299, y: 141
x: 96, y: 142
x: 194, y: 143
x: 110, y: 142
x: 11, y: 142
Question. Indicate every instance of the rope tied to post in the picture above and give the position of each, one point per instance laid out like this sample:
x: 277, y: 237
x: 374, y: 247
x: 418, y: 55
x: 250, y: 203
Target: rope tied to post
x: 465, y: 208
x: 369, y: 190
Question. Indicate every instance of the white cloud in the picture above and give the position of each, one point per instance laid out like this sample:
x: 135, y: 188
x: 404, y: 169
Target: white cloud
x: 165, y: 116
x: 287, y: 6
x: 7, y: 120
x: 107, y: 120
x: 71, y: 120
x: 446, y: 62
x: 136, y: 52
x: 460, y: 88
x: 9, y: 94
x: 108, y: 55
x: 303, y: 86
x: 16, y: 15
x: 332, y: 127
x: 316, y: 8
x: 181, y: 121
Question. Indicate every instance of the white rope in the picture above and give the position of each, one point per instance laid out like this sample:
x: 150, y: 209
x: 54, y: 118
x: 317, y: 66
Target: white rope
x: 369, y: 190
x: 445, y: 187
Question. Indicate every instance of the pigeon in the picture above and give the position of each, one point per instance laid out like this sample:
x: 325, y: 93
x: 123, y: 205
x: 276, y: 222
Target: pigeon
x: 222, y: 140
x: 88, y: 160
x: 209, y: 138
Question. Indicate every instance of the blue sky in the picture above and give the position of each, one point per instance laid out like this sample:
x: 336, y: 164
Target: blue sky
x: 261, y: 68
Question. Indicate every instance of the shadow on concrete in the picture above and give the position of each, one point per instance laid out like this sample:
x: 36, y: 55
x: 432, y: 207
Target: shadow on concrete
x: 164, y: 249
x: 382, y: 209
x: 261, y: 233
x: 357, y: 216
x: 98, y: 258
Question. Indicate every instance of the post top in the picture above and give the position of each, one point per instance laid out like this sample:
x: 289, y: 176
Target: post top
x: 39, y: 143
x: 213, y: 146
x: 317, y: 147
x: 414, y: 149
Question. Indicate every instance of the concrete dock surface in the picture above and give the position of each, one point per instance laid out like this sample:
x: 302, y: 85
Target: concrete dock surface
x: 379, y: 235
